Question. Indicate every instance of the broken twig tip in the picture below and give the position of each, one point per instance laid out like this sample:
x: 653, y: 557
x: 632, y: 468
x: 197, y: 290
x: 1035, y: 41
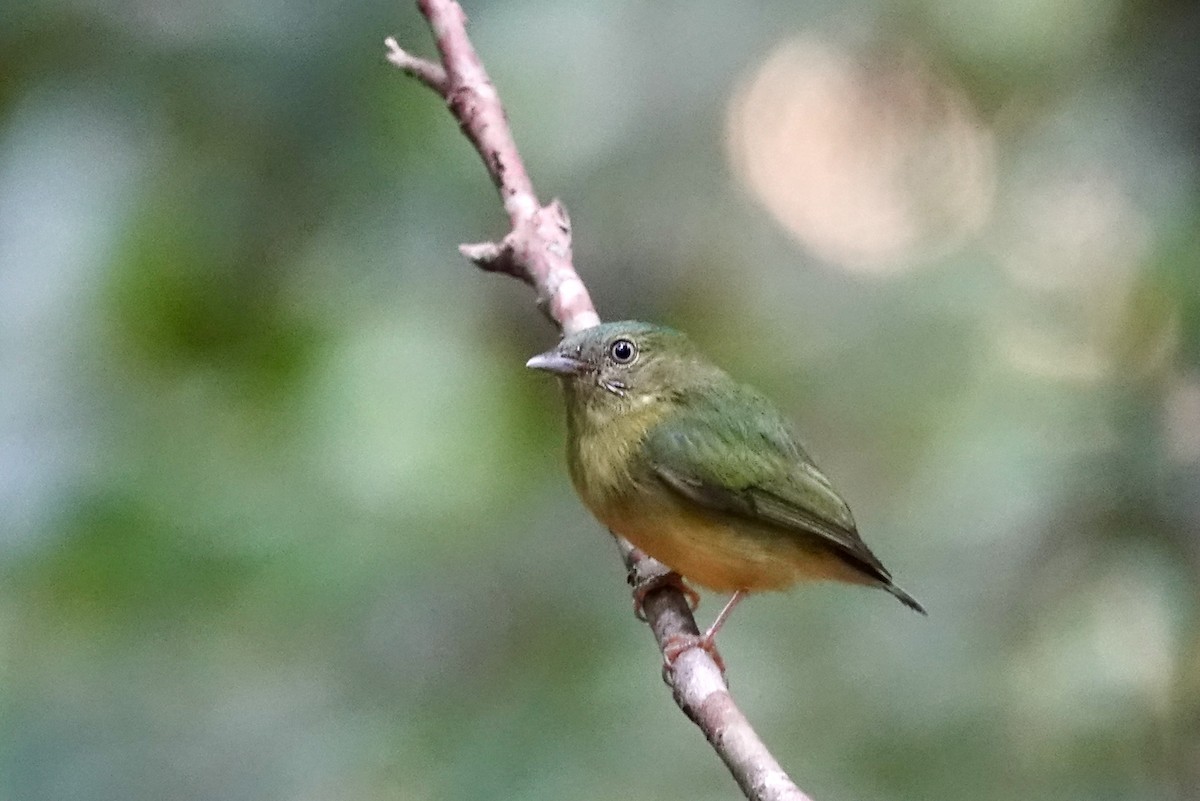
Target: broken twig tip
x: 495, y: 257
x: 425, y: 71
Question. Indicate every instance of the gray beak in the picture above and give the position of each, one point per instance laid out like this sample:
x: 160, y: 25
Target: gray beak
x: 554, y: 362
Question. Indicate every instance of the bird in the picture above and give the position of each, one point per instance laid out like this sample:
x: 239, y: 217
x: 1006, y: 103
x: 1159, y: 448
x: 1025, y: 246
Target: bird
x: 700, y: 471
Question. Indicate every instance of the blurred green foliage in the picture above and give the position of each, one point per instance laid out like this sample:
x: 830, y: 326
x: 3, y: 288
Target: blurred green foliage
x: 282, y: 516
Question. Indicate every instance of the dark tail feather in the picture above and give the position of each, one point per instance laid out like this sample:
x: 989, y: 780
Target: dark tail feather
x: 866, y: 562
x: 906, y: 599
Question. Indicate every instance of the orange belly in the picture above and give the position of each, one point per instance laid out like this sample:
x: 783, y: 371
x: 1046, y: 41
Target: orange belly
x: 725, y: 554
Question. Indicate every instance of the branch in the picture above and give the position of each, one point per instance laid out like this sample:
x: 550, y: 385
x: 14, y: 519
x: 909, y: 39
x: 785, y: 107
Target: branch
x: 537, y: 250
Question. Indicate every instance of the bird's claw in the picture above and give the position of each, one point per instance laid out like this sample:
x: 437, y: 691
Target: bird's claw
x: 644, y: 586
x: 674, y: 646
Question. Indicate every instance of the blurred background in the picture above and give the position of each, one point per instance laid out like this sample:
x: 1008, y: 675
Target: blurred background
x: 283, y: 517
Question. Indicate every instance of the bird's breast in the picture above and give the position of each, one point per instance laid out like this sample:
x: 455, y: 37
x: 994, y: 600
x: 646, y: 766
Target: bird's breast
x: 605, y: 447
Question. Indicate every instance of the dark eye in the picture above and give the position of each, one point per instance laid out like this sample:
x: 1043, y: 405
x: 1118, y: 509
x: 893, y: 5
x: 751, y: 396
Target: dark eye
x: 622, y: 351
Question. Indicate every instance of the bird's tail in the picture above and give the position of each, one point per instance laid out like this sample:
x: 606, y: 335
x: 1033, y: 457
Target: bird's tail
x: 904, y: 598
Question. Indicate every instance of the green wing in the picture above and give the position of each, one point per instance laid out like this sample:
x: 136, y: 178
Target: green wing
x: 732, y: 452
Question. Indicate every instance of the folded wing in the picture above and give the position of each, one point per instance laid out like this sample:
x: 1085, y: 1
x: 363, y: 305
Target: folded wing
x: 750, y: 466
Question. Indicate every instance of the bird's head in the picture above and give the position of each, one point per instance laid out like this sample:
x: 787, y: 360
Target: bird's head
x: 622, y: 365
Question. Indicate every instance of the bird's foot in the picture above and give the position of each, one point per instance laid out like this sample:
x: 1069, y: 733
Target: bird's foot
x: 644, y: 585
x: 674, y: 646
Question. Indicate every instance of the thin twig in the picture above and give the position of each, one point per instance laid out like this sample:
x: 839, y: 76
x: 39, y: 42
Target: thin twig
x: 424, y: 70
x: 537, y: 250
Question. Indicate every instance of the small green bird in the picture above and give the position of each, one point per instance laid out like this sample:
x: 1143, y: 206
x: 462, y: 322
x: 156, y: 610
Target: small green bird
x: 699, y: 471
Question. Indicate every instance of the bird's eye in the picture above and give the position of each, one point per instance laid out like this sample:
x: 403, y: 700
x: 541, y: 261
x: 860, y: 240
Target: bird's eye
x: 622, y: 351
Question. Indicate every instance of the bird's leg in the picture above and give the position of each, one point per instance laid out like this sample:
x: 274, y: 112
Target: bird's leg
x: 644, y: 585
x: 733, y: 601
x: 676, y: 644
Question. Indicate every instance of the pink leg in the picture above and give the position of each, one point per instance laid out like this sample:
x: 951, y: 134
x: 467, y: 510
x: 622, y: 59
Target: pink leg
x: 734, y: 600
